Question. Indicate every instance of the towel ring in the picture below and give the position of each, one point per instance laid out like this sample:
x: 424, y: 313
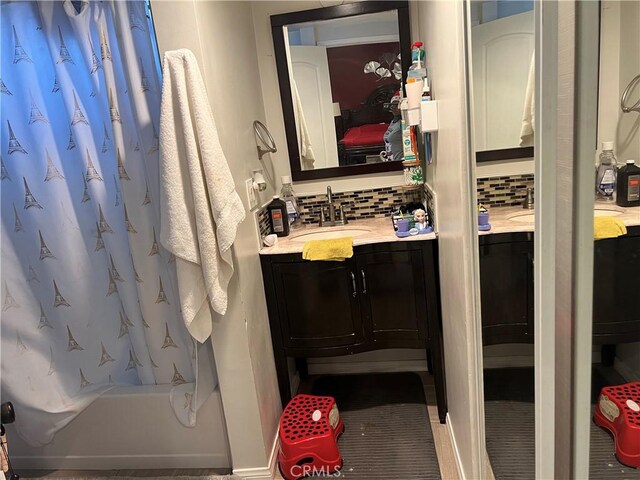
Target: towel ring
x: 261, y: 131
x: 623, y: 101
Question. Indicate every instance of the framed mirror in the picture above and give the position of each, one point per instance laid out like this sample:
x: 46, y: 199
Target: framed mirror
x: 502, y: 49
x: 340, y: 69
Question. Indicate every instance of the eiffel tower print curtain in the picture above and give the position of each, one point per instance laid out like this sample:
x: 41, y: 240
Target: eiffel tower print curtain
x: 89, y: 297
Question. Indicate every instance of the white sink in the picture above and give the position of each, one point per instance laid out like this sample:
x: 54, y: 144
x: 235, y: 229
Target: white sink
x: 598, y: 212
x: 328, y: 234
x: 522, y: 217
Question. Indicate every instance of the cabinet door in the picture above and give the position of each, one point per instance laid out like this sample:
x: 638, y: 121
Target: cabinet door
x: 393, y: 297
x: 318, y: 304
x: 616, y: 308
x: 506, y: 286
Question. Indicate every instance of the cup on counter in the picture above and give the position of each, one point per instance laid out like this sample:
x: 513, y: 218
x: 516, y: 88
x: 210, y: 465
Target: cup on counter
x: 403, y: 225
x: 483, y: 219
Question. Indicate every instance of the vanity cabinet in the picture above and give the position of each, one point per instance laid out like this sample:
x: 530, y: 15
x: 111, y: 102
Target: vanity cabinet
x: 506, y: 288
x: 385, y: 296
x: 506, y: 276
x: 318, y: 304
x: 616, y: 271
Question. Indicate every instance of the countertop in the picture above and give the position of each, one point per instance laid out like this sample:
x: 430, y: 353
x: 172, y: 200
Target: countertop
x: 505, y: 219
x: 378, y: 230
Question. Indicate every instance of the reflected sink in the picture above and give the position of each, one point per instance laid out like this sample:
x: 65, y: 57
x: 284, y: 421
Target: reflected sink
x: 598, y: 212
x: 328, y: 234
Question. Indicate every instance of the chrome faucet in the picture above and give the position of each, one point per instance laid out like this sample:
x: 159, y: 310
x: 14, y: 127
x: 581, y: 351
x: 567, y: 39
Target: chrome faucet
x: 528, y: 200
x: 332, y: 213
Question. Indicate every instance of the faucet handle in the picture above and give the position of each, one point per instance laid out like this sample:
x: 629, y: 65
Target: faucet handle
x: 343, y: 218
x: 322, y: 217
x: 528, y: 201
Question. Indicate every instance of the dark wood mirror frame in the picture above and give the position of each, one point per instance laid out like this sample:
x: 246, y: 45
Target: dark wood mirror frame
x: 340, y: 11
x: 504, y: 154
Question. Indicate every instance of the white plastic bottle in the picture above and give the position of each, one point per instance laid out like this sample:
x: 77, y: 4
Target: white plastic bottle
x: 607, y: 173
x: 289, y: 197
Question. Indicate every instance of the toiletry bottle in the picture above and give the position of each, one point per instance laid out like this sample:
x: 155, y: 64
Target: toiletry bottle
x: 606, y: 174
x: 278, y: 215
x: 628, y: 192
x: 417, y: 70
x: 289, y: 197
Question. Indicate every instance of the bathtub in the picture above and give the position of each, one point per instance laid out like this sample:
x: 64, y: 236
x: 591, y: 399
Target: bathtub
x: 131, y: 428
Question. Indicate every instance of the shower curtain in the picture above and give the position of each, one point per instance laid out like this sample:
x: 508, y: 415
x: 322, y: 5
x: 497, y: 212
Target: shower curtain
x: 88, y: 294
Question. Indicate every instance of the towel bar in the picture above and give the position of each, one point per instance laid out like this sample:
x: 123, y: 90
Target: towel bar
x: 623, y: 101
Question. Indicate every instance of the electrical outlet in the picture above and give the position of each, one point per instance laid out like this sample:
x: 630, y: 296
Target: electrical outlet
x: 252, y: 195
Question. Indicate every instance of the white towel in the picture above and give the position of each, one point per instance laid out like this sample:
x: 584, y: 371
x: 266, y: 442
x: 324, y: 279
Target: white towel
x: 529, y: 111
x: 304, y: 140
x: 199, y: 207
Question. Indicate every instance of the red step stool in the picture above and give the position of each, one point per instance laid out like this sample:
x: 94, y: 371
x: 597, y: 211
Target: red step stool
x: 618, y: 410
x: 309, y: 431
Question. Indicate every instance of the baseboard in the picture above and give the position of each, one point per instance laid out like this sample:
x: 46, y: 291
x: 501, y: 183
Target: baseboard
x: 121, y: 462
x: 520, y: 361
x: 262, y: 473
x: 625, y: 370
x: 456, y: 452
x: 339, y: 368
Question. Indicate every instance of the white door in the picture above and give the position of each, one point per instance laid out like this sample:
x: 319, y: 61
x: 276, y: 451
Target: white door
x: 311, y: 73
x: 502, y: 52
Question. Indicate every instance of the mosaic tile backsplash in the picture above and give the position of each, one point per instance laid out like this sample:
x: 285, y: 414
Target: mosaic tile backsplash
x: 357, y: 204
x: 380, y: 202
x: 504, y: 191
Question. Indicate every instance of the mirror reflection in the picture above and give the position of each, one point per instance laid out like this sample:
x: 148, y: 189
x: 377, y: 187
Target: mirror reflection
x: 502, y: 48
x: 345, y: 76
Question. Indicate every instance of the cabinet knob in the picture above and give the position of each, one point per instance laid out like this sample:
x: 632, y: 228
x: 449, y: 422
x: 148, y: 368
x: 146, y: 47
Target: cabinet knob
x: 364, y: 282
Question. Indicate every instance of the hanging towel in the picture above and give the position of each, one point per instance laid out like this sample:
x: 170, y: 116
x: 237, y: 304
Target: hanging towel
x: 529, y: 111
x: 304, y: 140
x: 334, y: 250
x: 608, y: 227
x: 200, y: 209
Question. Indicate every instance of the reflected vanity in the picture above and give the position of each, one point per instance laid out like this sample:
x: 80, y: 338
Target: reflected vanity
x: 340, y: 71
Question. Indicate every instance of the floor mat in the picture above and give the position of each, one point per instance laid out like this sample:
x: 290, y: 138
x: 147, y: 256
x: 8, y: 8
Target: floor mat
x: 510, y: 423
x: 387, y: 431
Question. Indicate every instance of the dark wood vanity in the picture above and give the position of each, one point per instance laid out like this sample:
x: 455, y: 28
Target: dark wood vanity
x: 506, y: 274
x: 385, y: 296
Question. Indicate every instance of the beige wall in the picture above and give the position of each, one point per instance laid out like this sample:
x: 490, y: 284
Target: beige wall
x: 221, y: 36
x: 271, y: 94
x: 441, y: 26
x: 619, y: 63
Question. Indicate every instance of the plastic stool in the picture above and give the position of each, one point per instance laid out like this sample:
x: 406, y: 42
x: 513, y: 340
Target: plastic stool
x: 618, y: 411
x: 309, y: 431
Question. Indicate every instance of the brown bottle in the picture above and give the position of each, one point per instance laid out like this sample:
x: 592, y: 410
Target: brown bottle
x: 278, y: 217
x: 628, y: 189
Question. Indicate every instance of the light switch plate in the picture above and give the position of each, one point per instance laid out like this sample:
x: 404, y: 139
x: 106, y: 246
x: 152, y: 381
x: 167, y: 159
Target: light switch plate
x: 252, y: 195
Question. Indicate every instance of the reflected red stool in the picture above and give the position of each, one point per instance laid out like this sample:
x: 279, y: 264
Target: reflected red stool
x: 618, y: 411
x: 309, y: 431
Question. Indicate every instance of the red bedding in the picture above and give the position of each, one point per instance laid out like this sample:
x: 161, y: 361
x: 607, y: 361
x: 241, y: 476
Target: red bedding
x: 365, y: 135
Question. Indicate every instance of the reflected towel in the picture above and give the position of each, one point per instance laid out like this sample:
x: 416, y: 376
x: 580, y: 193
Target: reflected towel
x: 335, y: 249
x: 529, y: 110
x: 608, y: 227
x: 304, y: 139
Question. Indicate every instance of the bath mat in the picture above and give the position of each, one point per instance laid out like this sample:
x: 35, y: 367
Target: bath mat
x: 120, y: 475
x: 510, y: 424
x: 387, y: 431
x: 207, y: 477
